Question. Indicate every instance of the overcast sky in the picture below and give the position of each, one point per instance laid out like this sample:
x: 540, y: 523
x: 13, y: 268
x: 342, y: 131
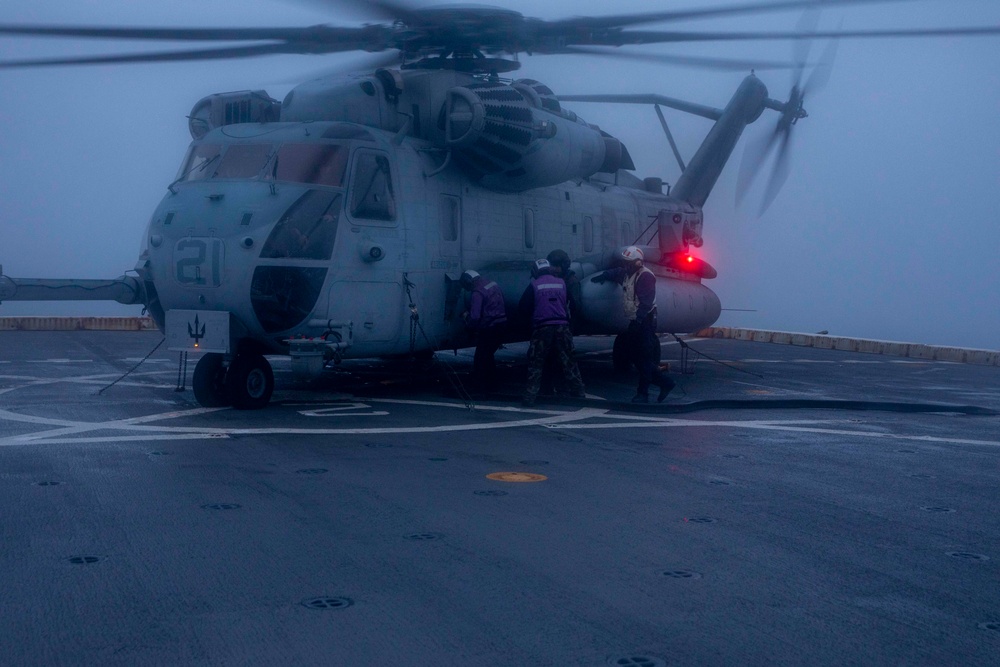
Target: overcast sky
x: 887, y: 228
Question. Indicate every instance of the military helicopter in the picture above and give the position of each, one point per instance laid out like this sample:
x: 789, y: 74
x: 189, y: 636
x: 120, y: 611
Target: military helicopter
x: 336, y: 223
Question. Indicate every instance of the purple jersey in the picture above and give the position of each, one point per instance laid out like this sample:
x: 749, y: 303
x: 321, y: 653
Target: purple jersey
x: 550, y: 301
x: 486, y: 308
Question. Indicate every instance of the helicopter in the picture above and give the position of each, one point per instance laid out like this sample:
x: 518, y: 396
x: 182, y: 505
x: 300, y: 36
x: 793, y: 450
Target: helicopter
x: 336, y: 222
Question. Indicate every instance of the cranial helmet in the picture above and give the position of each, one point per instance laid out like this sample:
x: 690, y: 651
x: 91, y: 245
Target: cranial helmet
x: 559, y: 258
x: 540, y: 267
x: 631, y: 253
x: 467, y: 278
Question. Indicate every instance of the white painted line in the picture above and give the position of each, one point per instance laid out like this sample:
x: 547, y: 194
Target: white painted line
x: 59, y: 361
x: 123, y: 438
x: 57, y: 436
x: 71, y: 427
x: 342, y: 411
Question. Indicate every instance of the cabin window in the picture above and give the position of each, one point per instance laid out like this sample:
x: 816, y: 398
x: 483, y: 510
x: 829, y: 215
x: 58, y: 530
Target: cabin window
x: 283, y: 296
x: 307, y: 230
x: 244, y: 161
x: 588, y: 234
x: 529, y: 228
x: 200, y: 162
x: 316, y: 164
x: 450, y: 218
x: 372, y: 197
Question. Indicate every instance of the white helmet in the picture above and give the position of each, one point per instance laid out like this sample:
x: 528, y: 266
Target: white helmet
x: 632, y: 253
x: 467, y: 279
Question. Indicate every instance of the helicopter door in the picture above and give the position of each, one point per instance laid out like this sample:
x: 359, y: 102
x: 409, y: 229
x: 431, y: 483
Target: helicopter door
x: 370, y: 292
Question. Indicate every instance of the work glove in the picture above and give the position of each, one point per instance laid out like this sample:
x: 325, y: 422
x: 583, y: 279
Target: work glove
x: 599, y: 279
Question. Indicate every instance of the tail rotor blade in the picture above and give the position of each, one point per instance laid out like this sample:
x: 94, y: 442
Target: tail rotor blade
x: 800, y: 50
x: 754, y: 156
x: 779, y: 174
x: 820, y: 75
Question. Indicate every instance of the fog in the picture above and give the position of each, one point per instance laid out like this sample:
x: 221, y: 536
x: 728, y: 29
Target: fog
x: 887, y: 227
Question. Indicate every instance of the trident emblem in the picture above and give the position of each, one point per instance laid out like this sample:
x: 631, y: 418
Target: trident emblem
x: 194, y: 332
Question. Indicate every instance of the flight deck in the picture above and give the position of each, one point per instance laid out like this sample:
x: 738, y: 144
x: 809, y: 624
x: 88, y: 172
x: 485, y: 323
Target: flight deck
x: 785, y: 505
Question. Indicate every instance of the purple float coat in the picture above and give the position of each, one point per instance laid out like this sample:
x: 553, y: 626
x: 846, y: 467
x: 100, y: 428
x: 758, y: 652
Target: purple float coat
x: 486, y: 308
x: 548, y: 294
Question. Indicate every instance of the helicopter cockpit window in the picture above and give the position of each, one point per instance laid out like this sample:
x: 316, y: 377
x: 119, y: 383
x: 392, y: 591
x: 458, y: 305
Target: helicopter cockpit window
x: 316, y: 164
x: 201, y: 162
x: 243, y: 161
x: 372, y: 197
x: 307, y: 230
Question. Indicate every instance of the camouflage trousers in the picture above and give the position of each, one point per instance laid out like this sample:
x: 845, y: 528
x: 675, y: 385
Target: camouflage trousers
x: 552, y: 340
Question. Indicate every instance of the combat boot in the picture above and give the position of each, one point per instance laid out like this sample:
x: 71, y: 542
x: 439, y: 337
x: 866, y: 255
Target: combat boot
x: 665, y: 389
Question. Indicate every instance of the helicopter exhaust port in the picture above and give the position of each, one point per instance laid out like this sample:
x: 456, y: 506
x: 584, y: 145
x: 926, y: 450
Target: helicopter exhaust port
x: 515, y: 141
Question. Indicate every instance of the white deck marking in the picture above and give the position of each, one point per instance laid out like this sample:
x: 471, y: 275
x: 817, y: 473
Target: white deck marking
x: 342, y: 411
x: 164, y: 432
x: 59, y: 361
x: 147, y: 428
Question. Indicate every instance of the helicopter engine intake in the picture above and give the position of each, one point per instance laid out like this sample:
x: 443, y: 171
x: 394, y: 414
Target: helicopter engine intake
x: 515, y: 142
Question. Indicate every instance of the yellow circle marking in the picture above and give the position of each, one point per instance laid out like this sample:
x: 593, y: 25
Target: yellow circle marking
x: 516, y: 477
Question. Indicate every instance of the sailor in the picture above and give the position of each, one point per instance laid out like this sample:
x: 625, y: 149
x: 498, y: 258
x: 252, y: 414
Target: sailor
x: 546, y: 300
x: 639, y: 302
x: 487, y: 320
x: 560, y: 263
x: 560, y: 266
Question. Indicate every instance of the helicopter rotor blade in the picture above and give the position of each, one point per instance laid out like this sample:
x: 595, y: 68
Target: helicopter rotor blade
x: 624, y: 20
x: 820, y: 75
x: 779, y: 173
x: 724, y: 64
x: 754, y: 155
x: 465, y: 32
x: 383, y: 9
x: 637, y: 37
x: 808, y: 23
x: 371, y: 62
x: 174, y: 34
x: 162, y: 56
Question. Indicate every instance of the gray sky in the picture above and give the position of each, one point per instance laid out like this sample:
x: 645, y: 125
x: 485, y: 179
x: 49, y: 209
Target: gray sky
x: 887, y: 228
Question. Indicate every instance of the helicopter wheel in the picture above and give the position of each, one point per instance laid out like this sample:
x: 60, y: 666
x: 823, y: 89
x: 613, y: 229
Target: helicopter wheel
x: 621, y: 357
x: 249, y: 382
x: 209, y: 382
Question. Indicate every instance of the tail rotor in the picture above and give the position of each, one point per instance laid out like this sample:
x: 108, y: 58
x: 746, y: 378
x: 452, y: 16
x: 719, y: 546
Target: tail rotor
x: 792, y: 111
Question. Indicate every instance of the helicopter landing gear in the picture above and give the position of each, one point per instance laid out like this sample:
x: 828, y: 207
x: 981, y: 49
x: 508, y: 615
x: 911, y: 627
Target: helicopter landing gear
x: 249, y: 382
x: 209, y: 382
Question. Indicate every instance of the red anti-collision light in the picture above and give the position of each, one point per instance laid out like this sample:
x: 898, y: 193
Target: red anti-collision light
x: 690, y: 264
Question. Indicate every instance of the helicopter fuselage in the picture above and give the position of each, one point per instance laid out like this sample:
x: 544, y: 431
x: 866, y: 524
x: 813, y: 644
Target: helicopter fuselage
x: 289, y: 226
